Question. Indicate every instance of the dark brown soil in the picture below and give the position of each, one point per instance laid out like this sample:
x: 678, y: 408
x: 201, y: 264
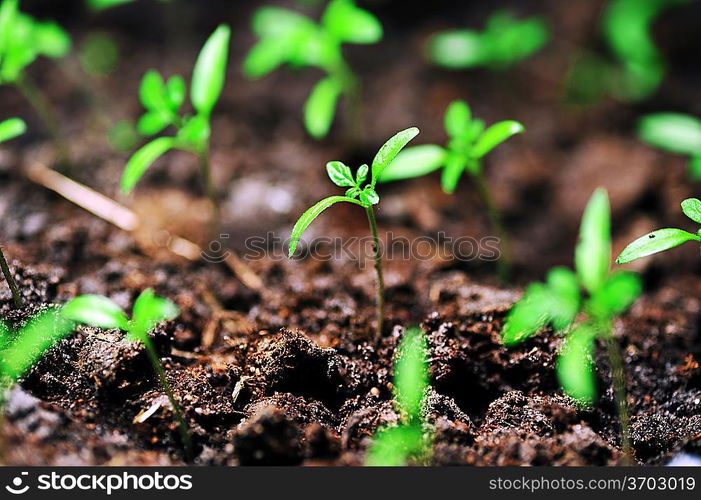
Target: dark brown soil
x: 292, y: 376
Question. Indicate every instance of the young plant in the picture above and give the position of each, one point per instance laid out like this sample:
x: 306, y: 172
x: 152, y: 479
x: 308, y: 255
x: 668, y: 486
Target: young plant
x: 396, y: 445
x: 16, y: 295
x: 360, y: 193
x: 147, y: 312
x: 287, y: 37
x: 664, y: 239
x: 22, y: 40
x: 504, y: 42
x: 163, y: 100
x: 467, y: 146
x: 677, y: 133
x: 582, y: 317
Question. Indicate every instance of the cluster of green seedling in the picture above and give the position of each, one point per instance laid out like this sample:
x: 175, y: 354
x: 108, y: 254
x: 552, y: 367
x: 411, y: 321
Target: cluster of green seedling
x: 360, y: 192
x: 148, y: 311
x: 677, y: 133
x: 287, y: 37
x: 469, y: 142
x: 664, y: 239
x: 397, y: 445
x: 22, y: 40
x: 582, y: 318
x: 504, y: 42
x: 163, y: 100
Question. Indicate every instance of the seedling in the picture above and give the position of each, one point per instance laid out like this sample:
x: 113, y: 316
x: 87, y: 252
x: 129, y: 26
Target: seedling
x: 163, y: 100
x: 363, y: 194
x: 16, y: 295
x: 147, y: 312
x: 582, y: 317
x: 504, y: 42
x: 287, y: 37
x: 467, y: 146
x: 677, y: 133
x: 22, y: 40
x: 664, y: 239
x: 396, y: 445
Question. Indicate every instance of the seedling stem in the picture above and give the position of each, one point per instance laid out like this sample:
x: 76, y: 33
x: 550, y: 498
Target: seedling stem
x: 16, y: 296
x: 380, y: 282
x: 620, y: 394
x: 504, y: 263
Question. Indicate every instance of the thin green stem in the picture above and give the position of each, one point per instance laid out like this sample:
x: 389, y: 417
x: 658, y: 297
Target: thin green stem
x: 505, y: 261
x: 620, y: 394
x: 16, y: 296
x: 46, y: 113
x: 210, y: 190
x: 182, y: 425
x: 380, y: 282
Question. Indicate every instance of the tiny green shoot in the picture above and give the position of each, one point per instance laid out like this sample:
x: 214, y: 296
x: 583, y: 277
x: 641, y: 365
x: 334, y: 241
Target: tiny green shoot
x: 664, y: 239
x: 287, y: 37
x: 11, y: 128
x: 469, y: 142
x: 16, y: 295
x: 163, y: 100
x: 582, y: 318
x: 148, y: 311
x: 677, y: 133
x: 504, y: 42
x: 361, y: 191
x: 396, y: 445
x: 22, y: 40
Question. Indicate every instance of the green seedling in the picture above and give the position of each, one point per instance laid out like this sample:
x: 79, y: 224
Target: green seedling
x: 163, y: 100
x: 626, y: 25
x: 16, y: 295
x: 677, y: 133
x: 360, y: 193
x: 148, y: 311
x: 100, y: 5
x: 287, y: 37
x: 504, y: 42
x: 467, y: 146
x: 664, y: 239
x: 11, y: 128
x: 22, y: 40
x: 396, y: 445
x: 582, y: 317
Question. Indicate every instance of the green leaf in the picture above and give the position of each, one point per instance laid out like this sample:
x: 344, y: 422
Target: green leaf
x: 654, y: 242
x: 457, y: 118
x: 276, y: 22
x: 414, y: 162
x: 565, y: 298
x: 454, y: 167
x: 195, y: 133
x: 361, y: 174
x: 575, y: 368
x: 148, y: 311
x: 348, y: 23
x: 457, y: 49
x: 32, y: 341
x: 210, y: 71
x: 369, y: 196
x: 142, y: 160
x: 98, y: 5
x: 320, y: 108
x: 11, y: 128
x: 692, y: 209
x: 395, y: 446
x: 175, y: 92
x: 311, y: 214
x: 50, y: 39
x: 673, y: 132
x: 390, y: 150
x: 618, y: 294
x: 495, y: 135
x: 152, y: 91
x: 8, y: 12
x: 411, y: 376
x: 353, y: 192
x: 96, y: 311
x: 265, y: 56
x: 152, y: 123
x: 340, y: 174
x: 593, y: 253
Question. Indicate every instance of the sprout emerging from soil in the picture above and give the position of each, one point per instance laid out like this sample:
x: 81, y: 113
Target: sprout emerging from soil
x: 22, y: 40
x: 677, y: 133
x: 163, y: 100
x: 16, y: 295
x: 664, y: 239
x: 396, y: 445
x: 148, y: 311
x: 468, y: 144
x: 363, y: 194
x: 287, y: 37
x: 559, y: 302
x: 504, y: 42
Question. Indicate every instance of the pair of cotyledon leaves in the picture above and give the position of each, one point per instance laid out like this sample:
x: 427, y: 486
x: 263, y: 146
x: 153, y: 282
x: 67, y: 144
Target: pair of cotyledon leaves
x: 287, y: 37
x: 340, y: 174
x: 559, y: 301
x: 468, y: 143
x: 163, y: 99
x: 23, y: 39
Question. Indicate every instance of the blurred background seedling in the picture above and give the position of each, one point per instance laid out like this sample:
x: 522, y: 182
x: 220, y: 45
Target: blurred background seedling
x: 677, y: 133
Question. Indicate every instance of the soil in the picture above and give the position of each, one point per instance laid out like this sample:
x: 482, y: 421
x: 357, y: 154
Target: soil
x: 291, y: 374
